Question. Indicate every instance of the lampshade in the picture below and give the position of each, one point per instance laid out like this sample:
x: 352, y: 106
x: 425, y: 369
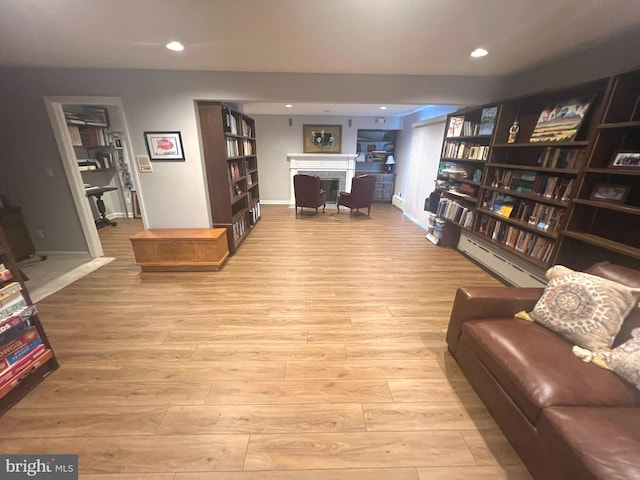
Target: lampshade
x: 390, y: 160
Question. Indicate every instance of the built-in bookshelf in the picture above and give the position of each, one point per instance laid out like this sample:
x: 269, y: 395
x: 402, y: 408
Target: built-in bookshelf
x: 604, y: 218
x: 533, y: 171
x: 26, y: 356
x: 91, y: 138
x: 231, y: 162
x: 532, y: 187
x: 465, y: 150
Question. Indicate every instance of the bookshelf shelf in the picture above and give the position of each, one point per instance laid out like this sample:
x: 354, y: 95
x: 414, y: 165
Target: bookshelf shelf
x: 28, y: 369
x: 535, y: 198
x: 604, y: 243
x: 519, y: 223
x: 583, y: 143
x: 229, y: 147
x: 534, y: 168
x: 631, y: 210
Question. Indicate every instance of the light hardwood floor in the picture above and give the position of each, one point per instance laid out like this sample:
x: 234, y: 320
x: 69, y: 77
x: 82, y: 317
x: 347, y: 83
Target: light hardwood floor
x: 317, y: 352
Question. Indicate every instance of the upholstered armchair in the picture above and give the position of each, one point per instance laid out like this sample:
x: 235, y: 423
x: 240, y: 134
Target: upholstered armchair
x: 361, y: 196
x: 308, y: 192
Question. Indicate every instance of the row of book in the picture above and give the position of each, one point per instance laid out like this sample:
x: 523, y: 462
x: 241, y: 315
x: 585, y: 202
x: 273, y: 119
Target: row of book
x: 523, y: 241
x: 254, y: 213
x: 543, y: 216
x: 532, y: 183
x: 248, y: 147
x: 102, y: 161
x: 464, y: 150
x: 569, y: 158
x: 233, y: 148
x: 247, y: 130
x: 461, y: 126
x: 20, y: 342
x: 229, y: 121
x: 235, y: 172
x: 454, y: 211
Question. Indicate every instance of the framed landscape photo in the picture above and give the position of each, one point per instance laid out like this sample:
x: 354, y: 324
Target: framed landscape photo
x: 625, y: 160
x: 559, y: 122
x: 609, y: 192
x: 322, y: 138
x: 164, y: 145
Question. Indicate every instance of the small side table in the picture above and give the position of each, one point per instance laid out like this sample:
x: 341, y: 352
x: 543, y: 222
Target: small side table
x: 97, y: 192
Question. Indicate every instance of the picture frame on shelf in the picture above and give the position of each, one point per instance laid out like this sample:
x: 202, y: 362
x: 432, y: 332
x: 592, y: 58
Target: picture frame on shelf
x: 625, y: 159
x: 609, y: 192
x: 560, y: 121
x: 164, y: 146
x: 487, y: 120
x: 322, y: 138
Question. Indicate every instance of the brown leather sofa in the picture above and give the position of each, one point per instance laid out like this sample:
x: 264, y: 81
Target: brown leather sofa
x: 567, y: 419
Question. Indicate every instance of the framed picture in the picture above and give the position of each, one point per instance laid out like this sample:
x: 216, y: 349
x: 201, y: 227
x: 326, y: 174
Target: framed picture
x: 559, y: 122
x: 608, y: 192
x: 164, y: 145
x: 626, y: 160
x: 322, y: 138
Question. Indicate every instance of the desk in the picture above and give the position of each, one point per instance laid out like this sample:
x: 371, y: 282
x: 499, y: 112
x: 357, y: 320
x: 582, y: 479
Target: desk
x: 97, y: 192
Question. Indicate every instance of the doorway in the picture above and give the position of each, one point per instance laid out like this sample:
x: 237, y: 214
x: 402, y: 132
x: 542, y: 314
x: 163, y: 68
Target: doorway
x: 96, y: 153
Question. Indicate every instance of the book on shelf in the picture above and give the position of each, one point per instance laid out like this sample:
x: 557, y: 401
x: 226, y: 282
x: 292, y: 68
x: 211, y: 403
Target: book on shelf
x: 12, y: 350
x: 487, y: 120
x: 26, y: 361
x: 455, y: 126
x: 17, y: 304
x: 560, y: 121
x: 8, y: 290
x: 10, y: 326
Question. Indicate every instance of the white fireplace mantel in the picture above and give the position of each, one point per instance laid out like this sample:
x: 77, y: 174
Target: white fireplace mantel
x: 336, y: 162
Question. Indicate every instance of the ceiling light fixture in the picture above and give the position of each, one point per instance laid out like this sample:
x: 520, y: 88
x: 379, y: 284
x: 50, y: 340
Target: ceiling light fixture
x: 175, y: 46
x: 383, y: 108
x: 288, y: 105
x: 479, y: 52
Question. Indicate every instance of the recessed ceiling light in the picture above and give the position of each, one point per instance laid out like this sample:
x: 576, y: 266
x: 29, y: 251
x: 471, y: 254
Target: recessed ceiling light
x: 479, y: 52
x: 288, y: 105
x: 175, y: 46
x: 327, y: 110
x: 383, y: 108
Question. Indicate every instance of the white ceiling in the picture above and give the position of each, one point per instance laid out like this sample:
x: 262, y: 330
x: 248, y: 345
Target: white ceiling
x: 396, y: 37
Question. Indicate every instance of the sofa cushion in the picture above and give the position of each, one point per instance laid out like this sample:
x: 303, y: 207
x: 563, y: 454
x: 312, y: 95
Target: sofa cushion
x: 602, y: 443
x: 586, y: 309
x: 537, y: 368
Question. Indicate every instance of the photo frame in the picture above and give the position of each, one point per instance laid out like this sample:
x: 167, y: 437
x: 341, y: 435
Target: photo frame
x: 322, y: 138
x: 560, y: 121
x: 625, y: 159
x: 609, y: 192
x: 164, y: 146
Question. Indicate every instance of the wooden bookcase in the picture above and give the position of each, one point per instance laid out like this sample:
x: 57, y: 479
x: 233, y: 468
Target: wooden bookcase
x: 525, y: 218
x: 598, y: 229
x: 231, y: 164
x: 465, y: 149
x: 27, y: 375
x: 537, y: 180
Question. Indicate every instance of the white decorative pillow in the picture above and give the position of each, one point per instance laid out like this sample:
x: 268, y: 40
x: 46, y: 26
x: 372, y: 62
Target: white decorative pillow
x: 585, y: 309
x: 623, y: 360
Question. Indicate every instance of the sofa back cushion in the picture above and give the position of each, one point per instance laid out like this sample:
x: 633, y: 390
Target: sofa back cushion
x: 625, y: 276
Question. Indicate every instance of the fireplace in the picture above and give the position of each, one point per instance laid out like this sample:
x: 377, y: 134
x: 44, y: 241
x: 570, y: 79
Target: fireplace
x: 335, y: 171
x: 331, y: 188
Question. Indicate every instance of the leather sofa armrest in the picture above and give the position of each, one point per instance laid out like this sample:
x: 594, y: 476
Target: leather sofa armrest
x: 487, y: 302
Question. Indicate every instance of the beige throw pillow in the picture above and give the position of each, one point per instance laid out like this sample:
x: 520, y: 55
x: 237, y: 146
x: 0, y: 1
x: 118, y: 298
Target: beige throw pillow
x: 585, y: 309
x: 624, y: 359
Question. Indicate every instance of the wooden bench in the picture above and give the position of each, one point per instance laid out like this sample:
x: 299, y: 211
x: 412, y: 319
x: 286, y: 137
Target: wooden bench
x: 180, y: 249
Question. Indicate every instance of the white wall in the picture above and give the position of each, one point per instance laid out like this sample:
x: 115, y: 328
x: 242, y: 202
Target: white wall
x: 275, y: 138
x: 174, y: 195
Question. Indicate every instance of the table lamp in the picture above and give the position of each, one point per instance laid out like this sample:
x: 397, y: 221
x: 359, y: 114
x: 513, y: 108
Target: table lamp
x: 390, y: 163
